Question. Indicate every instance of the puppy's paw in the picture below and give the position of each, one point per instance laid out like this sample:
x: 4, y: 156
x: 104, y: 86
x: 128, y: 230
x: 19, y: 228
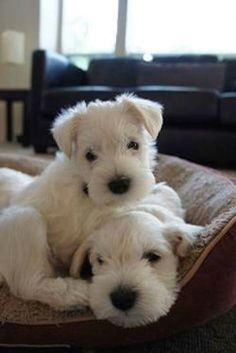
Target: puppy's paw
x: 182, y: 236
x: 75, y: 296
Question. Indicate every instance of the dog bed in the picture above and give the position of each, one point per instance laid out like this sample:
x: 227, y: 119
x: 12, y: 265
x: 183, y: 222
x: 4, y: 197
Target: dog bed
x: 207, y: 276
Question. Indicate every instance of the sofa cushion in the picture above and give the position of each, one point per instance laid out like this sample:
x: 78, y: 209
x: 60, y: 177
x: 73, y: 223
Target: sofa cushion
x: 207, y: 75
x: 203, y: 144
x: 54, y: 100
x: 186, y: 58
x: 207, y: 275
x: 117, y: 72
x: 184, y: 105
x: 228, y: 109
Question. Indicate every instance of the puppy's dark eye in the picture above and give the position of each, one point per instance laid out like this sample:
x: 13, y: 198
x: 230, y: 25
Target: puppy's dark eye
x: 100, y: 260
x: 151, y: 257
x: 90, y: 156
x: 133, y: 145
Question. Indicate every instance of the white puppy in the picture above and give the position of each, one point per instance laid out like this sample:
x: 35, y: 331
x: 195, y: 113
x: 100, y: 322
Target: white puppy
x: 131, y: 261
x: 113, y: 144
x: 107, y: 162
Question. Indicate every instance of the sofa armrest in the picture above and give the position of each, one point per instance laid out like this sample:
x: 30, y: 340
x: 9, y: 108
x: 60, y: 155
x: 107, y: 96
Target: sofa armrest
x: 50, y: 69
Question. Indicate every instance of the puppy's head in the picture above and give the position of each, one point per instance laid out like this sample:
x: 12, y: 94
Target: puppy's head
x: 131, y: 263
x: 113, y: 145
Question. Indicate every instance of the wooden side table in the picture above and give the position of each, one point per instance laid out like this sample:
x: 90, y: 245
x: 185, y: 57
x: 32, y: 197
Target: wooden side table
x: 17, y: 95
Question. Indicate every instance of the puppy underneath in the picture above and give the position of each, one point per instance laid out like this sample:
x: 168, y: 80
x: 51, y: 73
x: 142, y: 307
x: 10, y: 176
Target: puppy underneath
x: 131, y: 262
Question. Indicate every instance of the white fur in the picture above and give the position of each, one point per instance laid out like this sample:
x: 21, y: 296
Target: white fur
x: 11, y: 182
x: 25, y: 265
x: 51, y: 211
x: 155, y: 226
x: 106, y: 128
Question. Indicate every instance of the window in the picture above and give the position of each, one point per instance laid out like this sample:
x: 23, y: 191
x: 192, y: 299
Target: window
x: 137, y: 27
x: 89, y: 26
x: 181, y: 26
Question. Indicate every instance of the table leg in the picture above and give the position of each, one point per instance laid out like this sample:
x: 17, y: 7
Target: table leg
x: 26, y: 121
x: 9, y: 120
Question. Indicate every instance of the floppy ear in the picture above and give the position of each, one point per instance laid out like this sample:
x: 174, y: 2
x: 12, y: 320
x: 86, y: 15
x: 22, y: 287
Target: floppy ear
x: 182, y: 237
x: 65, y: 127
x: 80, y: 265
x: 147, y: 112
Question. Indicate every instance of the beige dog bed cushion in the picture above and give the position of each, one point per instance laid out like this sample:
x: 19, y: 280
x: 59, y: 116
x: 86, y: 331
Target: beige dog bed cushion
x: 207, y: 276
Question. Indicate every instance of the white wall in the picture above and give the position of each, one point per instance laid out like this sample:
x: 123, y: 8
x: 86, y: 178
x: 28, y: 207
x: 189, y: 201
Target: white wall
x: 23, y: 16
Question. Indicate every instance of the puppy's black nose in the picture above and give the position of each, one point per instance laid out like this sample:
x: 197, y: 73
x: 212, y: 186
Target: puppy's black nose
x: 123, y: 298
x: 119, y: 185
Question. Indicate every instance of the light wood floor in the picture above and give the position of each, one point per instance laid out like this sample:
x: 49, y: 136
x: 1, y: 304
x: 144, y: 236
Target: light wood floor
x: 18, y: 149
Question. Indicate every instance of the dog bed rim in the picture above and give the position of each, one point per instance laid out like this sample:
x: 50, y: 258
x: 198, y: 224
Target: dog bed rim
x: 190, y: 274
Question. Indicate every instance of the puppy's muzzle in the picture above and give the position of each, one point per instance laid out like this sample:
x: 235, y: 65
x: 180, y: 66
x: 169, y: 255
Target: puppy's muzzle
x: 119, y: 185
x: 123, y: 298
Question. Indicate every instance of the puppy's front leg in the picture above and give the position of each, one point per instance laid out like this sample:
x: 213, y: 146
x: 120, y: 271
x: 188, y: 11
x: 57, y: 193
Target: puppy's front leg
x: 25, y: 264
x: 161, y: 213
x: 164, y: 196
